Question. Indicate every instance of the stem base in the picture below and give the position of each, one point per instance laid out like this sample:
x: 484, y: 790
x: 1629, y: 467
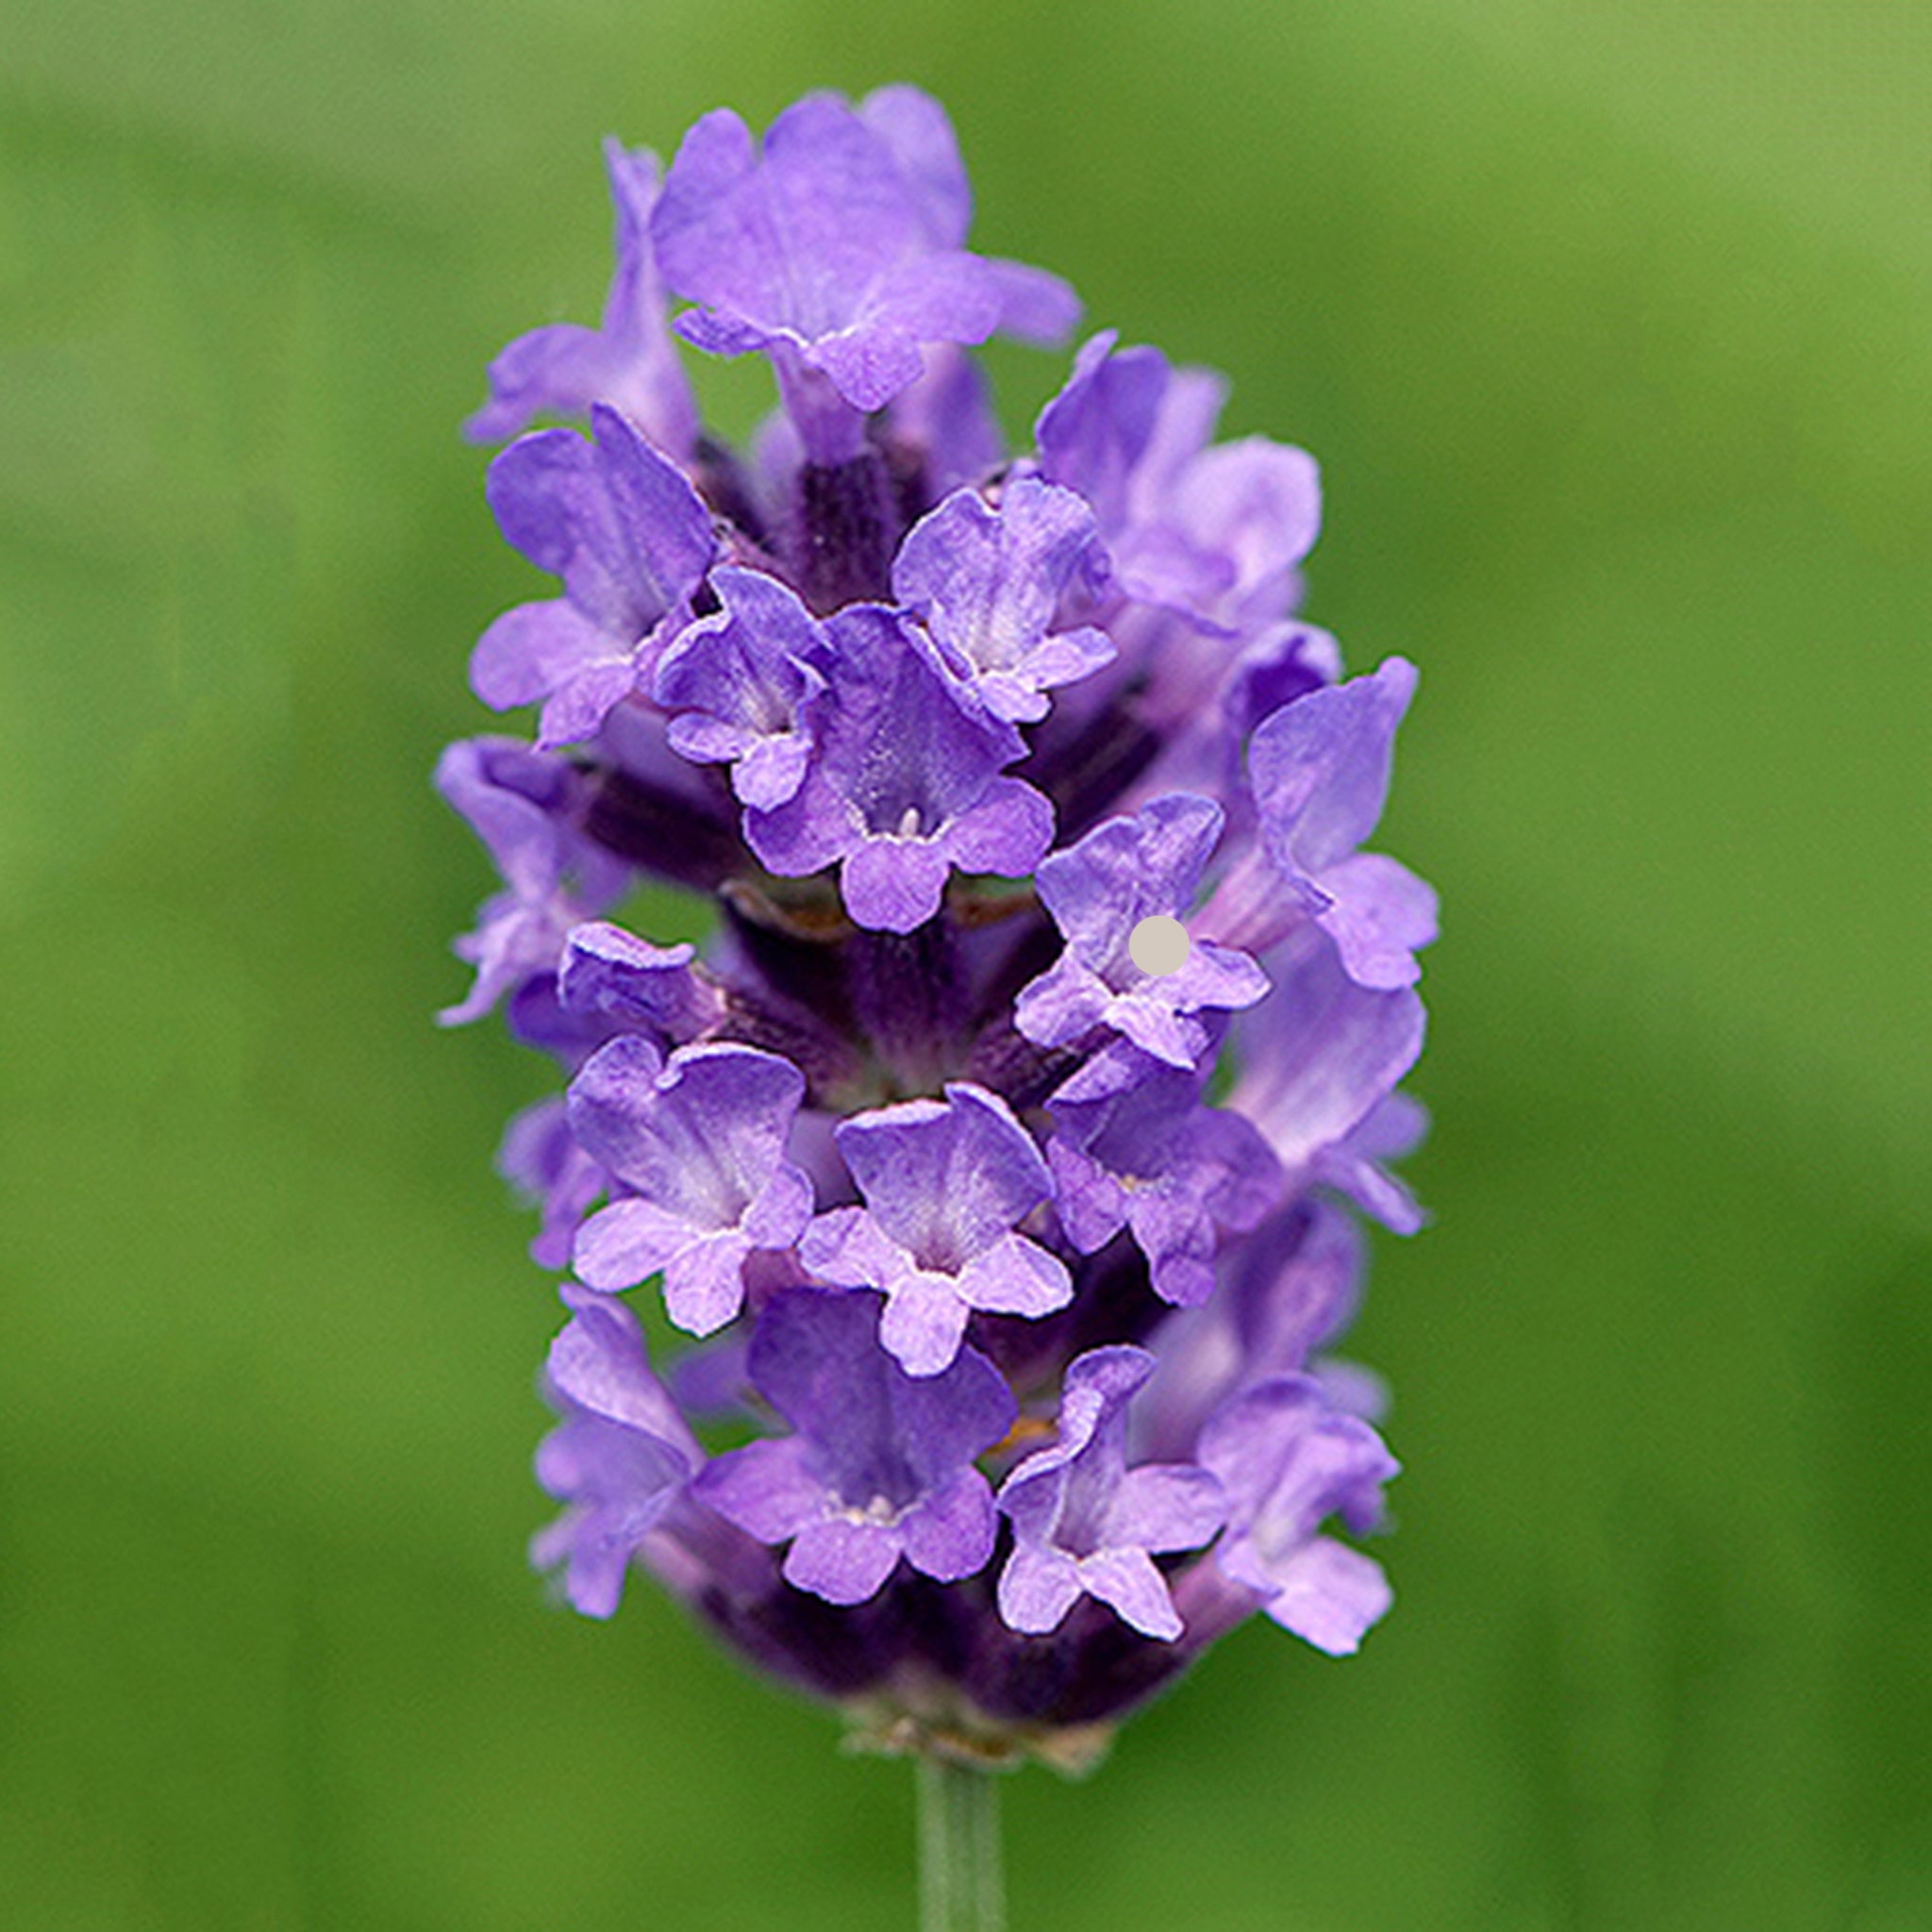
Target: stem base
x: 962, y: 1887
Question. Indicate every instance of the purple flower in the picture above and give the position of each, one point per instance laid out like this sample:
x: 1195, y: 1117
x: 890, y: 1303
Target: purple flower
x: 1217, y: 533
x: 1176, y: 1175
x: 626, y: 985
x: 1320, y: 772
x: 920, y: 1136
x: 1287, y: 1459
x: 745, y: 683
x: 1114, y: 432
x: 606, y: 982
x: 621, y: 1457
x: 631, y: 540
x: 1207, y: 711
x: 1086, y: 1524
x: 904, y: 784
x: 1318, y: 1058
x: 524, y: 805
x: 1099, y: 893
x: 881, y: 1464
x: 839, y: 246
x: 947, y: 1184
x: 1286, y: 1291
x: 989, y: 584
x: 629, y: 363
x: 698, y: 1141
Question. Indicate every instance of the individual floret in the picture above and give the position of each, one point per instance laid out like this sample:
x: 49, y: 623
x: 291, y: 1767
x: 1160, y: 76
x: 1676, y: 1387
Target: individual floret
x: 880, y: 1463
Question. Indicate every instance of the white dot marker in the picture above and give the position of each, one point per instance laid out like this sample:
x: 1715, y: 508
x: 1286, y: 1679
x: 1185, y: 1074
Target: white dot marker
x: 1158, y: 946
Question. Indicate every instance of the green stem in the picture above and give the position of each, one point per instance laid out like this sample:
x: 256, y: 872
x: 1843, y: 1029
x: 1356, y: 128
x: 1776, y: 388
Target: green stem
x: 959, y: 1885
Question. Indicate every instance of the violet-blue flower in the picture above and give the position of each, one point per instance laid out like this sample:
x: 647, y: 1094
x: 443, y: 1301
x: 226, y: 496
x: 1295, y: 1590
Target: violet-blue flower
x: 624, y: 984
x: 620, y: 1458
x: 946, y: 1185
x: 1086, y: 1524
x: 539, y: 1157
x: 745, y: 683
x: 1288, y: 1458
x: 837, y: 246
x: 880, y: 1465
x: 698, y: 1143
x: 904, y: 784
x: 945, y: 423
x: 1010, y: 1132
x: 1214, y: 530
x: 526, y: 808
x: 625, y: 529
x: 1099, y: 892
x: 1318, y: 1061
x: 1178, y: 1174
x: 988, y: 583
x: 1287, y: 1289
x: 1320, y: 771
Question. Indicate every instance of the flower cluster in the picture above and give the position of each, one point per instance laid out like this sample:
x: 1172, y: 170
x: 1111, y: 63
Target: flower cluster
x: 997, y: 1151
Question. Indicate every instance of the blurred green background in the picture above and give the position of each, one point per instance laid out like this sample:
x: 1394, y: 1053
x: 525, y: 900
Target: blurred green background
x: 1609, y: 320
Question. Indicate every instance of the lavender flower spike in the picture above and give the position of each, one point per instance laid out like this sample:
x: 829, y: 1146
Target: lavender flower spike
x: 1086, y: 1524
x: 945, y: 1186
x: 699, y: 1142
x: 629, y: 363
x: 881, y: 1465
x: 1031, y: 817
